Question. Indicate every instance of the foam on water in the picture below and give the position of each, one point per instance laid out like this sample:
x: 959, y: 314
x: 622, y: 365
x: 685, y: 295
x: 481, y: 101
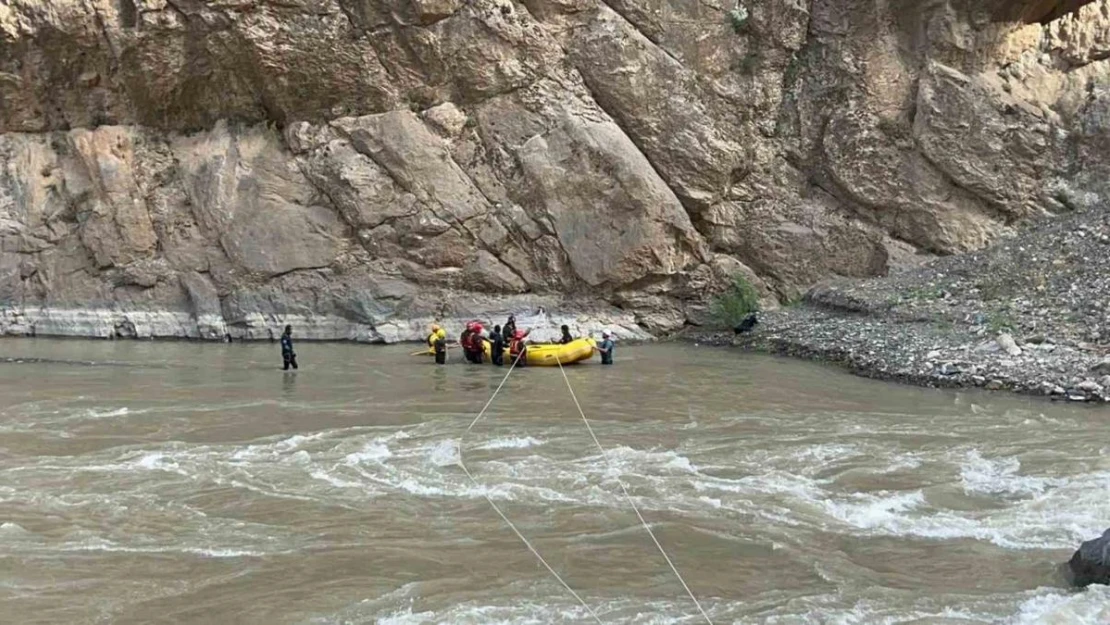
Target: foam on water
x: 875, y: 511
x: 445, y: 453
x: 12, y: 530
x: 226, y: 552
x: 901, y: 462
x: 528, y: 613
x: 359, y: 464
x: 1039, y: 512
x: 107, y: 413
x: 325, y: 476
x: 1042, y: 606
x: 1090, y: 607
x: 276, y: 447
x: 511, y: 443
x: 1000, y: 476
x: 773, y: 482
x: 1058, y: 519
x: 824, y: 454
x: 373, y: 451
x: 626, y: 459
x: 397, y: 608
x: 155, y: 461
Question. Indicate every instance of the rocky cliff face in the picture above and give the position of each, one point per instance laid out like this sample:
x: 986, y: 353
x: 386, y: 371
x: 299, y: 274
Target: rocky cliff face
x: 358, y: 167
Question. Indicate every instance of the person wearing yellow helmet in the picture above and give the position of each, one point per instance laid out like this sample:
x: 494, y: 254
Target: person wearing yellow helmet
x: 437, y: 340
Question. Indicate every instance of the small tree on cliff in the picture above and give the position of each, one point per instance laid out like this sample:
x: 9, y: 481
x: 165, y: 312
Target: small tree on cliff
x: 738, y: 301
x: 739, y: 18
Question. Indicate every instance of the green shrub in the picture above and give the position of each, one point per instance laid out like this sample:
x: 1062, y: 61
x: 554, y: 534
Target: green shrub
x: 739, y: 18
x: 738, y: 301
x: 1001, y: 321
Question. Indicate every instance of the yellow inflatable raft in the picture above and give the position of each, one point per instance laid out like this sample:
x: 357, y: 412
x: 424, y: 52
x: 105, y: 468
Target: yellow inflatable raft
x: 551, y: 354
x: 542, y: 354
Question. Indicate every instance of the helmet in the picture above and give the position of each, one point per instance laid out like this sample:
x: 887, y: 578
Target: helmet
x: 478, y: 327
x: 435, y: 327
x: 519, y: 334
x: 470, y: 325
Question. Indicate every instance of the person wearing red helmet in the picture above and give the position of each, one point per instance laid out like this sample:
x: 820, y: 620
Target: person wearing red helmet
x: 518, y: 347
x: 471, y: 341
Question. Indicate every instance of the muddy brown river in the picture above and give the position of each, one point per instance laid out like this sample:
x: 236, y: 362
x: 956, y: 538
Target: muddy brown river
x: 145, y: 482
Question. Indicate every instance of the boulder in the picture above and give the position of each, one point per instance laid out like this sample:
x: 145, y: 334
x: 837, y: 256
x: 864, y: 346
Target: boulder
x: 617, y: 221
x: 447, y: 118
x: 950, y: 368
x: 1091, y: 562
x: 988, y: 347
x: 1089, y: 386
x: 1008, y: 345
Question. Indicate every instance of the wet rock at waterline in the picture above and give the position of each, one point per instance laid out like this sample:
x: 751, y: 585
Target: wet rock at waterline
x: 1091, y: 562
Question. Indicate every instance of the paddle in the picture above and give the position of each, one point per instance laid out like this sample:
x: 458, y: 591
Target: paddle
x: 426, y: 351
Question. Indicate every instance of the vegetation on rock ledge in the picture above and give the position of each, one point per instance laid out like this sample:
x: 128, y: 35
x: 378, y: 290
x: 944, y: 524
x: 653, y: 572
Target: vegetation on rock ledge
x: 739, y: 18
x: 741, y: 299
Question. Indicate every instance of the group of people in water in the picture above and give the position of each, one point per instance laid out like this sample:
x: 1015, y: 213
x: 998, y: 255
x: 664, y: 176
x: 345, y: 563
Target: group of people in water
x: 474, y: 338
x: 472, y: 341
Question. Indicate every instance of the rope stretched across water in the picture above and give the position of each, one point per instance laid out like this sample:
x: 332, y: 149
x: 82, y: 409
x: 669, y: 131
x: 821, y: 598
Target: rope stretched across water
x: 498, y: 509
x: 628, y: 497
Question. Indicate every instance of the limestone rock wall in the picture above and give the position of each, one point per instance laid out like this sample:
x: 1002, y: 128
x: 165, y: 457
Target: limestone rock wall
x: 202, y: 168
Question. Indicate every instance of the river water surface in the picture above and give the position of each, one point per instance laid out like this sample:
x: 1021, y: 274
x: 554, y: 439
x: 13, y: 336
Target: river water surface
x: 197, y: 483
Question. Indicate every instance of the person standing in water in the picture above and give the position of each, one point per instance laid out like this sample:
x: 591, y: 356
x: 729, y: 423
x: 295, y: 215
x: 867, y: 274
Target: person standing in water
x: 518, y: 348
x: 509, y: 330
x: 432, y: 335
x: 605, y: 348
x: 472, y: 342
x: 288, y: 356
x: 497, y: 347
x: 437, y: 340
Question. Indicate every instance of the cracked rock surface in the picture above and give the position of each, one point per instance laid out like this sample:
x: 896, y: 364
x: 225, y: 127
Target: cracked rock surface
x: 193, y: 168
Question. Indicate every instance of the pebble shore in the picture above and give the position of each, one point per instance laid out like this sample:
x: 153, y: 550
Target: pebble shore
x: 1030, y: 315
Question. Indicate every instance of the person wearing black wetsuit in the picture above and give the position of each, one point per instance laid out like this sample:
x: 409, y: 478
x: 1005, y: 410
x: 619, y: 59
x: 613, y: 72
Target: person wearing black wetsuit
x: 497, y: 347
x: 439, y: 346
x: 566, y: 338
x: 288, y: 356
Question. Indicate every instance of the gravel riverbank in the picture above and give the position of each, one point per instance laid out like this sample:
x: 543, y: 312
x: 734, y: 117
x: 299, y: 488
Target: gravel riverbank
x: 1029, y: 315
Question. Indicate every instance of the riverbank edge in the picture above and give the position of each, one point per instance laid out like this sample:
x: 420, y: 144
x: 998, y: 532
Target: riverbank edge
x: 93, y: 323
x: 841, y: 358
x: 943, y: 361
x: 790, y: 332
